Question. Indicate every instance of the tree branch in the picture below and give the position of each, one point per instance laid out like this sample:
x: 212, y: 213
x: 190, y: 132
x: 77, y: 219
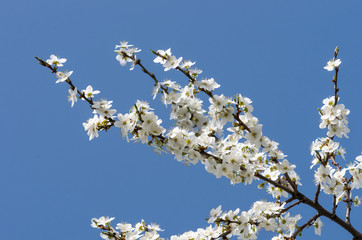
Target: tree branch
x: 348, y: 205
x: 316, y: 196
x: 307, y: 224
x: 334, y: 204
x: 291, y: 206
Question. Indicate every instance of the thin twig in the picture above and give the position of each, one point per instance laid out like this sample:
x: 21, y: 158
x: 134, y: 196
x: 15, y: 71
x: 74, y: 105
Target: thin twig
x: 348, y: 205
x: 316, y: 196
x: 291, y: 199
x: 222, y: 235
x: 335, y: 78
x: 307, y: 224
x: 294, y: 185
x: 324, y: 212
x: 152, y: 75
x: 291, y: 206
x: 334, y: 204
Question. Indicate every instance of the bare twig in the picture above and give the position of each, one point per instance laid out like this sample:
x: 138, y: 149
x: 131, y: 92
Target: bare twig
x: 316, y: 196
x: 335, y: 78
x: 334, y: 204
x: 348, y: 204
x: 291, y: 199
x: 291, y: 206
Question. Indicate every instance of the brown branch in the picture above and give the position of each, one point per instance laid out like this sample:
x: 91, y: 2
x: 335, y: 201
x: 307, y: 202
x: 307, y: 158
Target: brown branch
x: 241, y: 123
x: 333, y: 161
x: 289, y: 180
x: 152, y: 75
x: 316, y: 196
x: 334, y: 204
x: 323, y: 212
x: 291, y: 206
x: 192, y: 79
x: 348, y: 204
x: 222, y: 235
x: 294, y: 185
x: 187, y: 74
x: 335, y: 78
x: 291, y: 199
x: 307, y: 224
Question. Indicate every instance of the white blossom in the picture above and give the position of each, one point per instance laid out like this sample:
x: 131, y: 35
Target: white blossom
x: 126, y: 53
x: 318, y: 226
x: 207, y: 84
x: 63, y: 76
x: 102, y: 221
x: 54, y: 60
x: 89, y: 92
x: 332, y: 64
x: 73, y: 96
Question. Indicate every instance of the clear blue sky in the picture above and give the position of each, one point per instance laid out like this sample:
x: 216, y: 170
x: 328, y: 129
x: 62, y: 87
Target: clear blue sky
x: 53, y: 180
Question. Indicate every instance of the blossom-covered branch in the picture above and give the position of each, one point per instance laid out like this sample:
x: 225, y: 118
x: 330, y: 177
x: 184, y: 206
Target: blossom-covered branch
x: 228, y: 140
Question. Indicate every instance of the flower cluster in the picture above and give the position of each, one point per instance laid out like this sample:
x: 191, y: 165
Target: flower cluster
x: 208, y: 233
x: 93, y: 125
x: 103, y: 108
x: 168, y: 60
x: 355, y: 170
x: 262, y: 215
x: 141, y: 122
x: 334, y: 116
x: 126, y: 231
x: 334, y: 180
x: 63, y: 76
x: 126, y: 53
x: 244, y: 225
x: 330, y: 176
x: 198, y: 134
x: 103, y: 114
x: 323, y: 148
x: 331, y: 181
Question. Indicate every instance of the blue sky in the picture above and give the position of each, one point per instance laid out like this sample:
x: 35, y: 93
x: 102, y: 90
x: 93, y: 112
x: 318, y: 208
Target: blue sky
x: 53, y: 180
